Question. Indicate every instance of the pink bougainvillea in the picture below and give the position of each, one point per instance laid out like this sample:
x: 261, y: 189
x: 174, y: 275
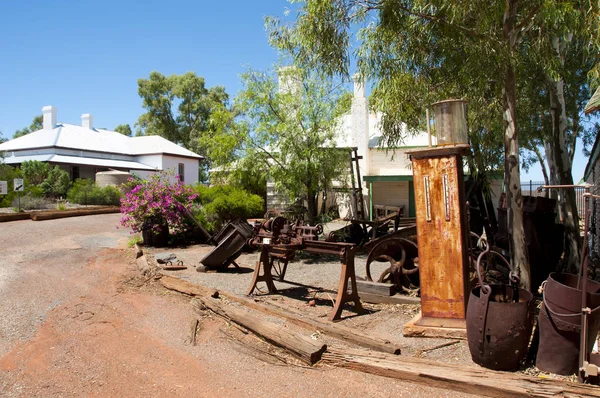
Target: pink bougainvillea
x: 156, y: 203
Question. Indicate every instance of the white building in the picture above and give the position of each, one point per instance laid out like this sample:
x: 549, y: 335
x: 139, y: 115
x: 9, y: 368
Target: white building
x: 386, y: 172
x: 83, y: 150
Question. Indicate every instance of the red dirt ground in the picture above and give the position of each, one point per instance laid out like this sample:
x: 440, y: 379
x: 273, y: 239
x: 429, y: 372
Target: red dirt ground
x: 81, y: 321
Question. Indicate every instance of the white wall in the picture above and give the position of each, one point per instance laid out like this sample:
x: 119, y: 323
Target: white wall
x: 170, y: 162
x: 190, y: 167
x: 390, y: 163
x: 391, y: 194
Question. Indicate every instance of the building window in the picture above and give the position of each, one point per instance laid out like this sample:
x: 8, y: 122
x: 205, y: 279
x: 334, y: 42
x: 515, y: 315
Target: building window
x: 181, y: 172
x: 74, y: 173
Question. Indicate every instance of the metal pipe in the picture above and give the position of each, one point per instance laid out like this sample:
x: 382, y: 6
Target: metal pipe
x: 564, y: 186
x: 583, y: 279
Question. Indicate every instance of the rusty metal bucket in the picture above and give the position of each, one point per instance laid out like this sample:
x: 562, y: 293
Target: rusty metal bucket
x: 559, y: 322
x: 499, y: 322
x: 498, y: 328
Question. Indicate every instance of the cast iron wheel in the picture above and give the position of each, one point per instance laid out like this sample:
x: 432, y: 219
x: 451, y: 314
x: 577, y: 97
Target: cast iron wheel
x: 402, y: 255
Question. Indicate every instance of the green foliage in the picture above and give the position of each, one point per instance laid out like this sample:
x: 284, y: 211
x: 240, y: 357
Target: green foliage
x: 223, y: 203
x: 36, y: 124
x: 124, y: 129
x: 56, y: 184
x: 136, y: 239
x: 35, y: 172
x: 178, y: 108
x: 86, y: 192
x: 286, y: 134
x: 8, y: 173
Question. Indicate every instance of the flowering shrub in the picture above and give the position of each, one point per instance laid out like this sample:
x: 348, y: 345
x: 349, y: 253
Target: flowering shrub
x: 156, y: 204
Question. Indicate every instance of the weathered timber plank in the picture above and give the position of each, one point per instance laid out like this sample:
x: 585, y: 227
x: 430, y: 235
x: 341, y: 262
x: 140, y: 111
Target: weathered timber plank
x: 302, y: 347
x: 472, y: 380
x: 333, y: 329
x: 291, y: 315
x: 395, y: 299
x: 14, y: 217
x: 381, y: 289
x: 51, y: 215
x: 181, y: 286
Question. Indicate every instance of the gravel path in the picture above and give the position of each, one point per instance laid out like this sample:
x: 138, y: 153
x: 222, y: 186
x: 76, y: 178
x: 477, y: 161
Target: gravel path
x: 316, y: 277
x: 77, y: 320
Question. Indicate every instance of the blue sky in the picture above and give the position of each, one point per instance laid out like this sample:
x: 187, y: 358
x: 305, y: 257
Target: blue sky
x: 86, y: 57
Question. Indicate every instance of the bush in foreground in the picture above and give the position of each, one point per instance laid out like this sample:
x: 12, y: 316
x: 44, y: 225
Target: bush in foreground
x: 223, y: 203
x: 86, y: 192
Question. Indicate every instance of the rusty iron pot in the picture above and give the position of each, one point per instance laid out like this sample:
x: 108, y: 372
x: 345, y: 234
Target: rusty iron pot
x: 559, y: 323
x: 498, y: 326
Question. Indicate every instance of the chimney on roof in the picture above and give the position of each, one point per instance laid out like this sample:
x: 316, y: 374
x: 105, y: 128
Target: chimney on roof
x: 49, y: 113
x: 359, y: 86
x: 87, y: 121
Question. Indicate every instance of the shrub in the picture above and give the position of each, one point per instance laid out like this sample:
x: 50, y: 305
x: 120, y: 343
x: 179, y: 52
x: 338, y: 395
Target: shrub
x: 56, y: 184
x: 8, y: 173
x: 223, y: 203
x: 86, y: 192
x: 35, y: 172
x: 28, y: 202
x: 155, y: 203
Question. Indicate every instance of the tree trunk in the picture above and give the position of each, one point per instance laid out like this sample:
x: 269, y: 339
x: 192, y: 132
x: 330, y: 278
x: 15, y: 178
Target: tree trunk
x: 512, y: 181
x: 312, y: 199
x: 537, y: 152
x: 560, y: 158
x: 512, y: 174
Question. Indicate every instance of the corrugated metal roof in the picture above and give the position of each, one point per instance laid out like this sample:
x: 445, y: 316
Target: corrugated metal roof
x: 594, y: 102
x: 121, y: 164
x: 97, y: 140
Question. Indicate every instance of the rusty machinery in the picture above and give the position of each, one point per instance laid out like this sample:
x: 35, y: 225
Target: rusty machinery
x: 279, y: 241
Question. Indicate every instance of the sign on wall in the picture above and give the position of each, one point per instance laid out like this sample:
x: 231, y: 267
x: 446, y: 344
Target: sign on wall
x: 3, y: 187
x: 18, y: 184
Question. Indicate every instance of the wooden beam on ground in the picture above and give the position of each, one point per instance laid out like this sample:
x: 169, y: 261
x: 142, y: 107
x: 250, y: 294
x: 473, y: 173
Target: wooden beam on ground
x: 395, y: 299
x: 332, y: 329
x: 377, y: 288
x: 51, y: 215
x: 181, y: 286
x: 291, y: 315
x: 472, y: 380
x: 4, y: 217
x: 303, y: 348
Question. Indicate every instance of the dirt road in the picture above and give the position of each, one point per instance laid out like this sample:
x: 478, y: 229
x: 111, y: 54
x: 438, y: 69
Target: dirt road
x: 77, y: 321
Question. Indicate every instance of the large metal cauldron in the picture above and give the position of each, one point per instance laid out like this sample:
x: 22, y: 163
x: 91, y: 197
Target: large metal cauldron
x: 499, y: 321
x: 560, y: 322
x: 498, y: 327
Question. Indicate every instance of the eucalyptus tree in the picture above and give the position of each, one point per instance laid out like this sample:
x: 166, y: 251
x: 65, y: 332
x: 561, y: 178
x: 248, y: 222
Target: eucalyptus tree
x: 124, y: 129
x: 420, y: 51
x: 178, y: 108
x: 285, y: 130
x: 36, y: 124
x: 553, y: 98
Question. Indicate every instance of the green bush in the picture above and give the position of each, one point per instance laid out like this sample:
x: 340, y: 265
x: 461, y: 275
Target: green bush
x: 8, y: 174
x: 86, y: 192
x: 56, y: 184
x: 223, y: 203
x: 35, y: 172
x: 28, y: 202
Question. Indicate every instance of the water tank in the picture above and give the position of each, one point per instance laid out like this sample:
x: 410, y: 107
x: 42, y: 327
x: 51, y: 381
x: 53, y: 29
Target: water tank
x: 112, y: 177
